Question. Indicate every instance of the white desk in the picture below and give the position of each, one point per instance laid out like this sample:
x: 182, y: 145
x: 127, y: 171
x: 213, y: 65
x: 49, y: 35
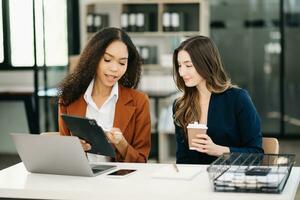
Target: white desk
x: 16, y: 182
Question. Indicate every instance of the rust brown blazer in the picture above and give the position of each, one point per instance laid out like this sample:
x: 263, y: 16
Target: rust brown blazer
x: 132, y: 116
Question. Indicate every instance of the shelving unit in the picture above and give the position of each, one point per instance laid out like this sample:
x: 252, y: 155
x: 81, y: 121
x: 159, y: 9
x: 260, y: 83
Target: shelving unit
x: 196, y: 13
x: 157, y: 41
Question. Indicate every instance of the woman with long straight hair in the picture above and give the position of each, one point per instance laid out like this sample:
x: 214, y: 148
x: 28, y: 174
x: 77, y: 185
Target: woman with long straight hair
x: 102, y: 87
x: 209, y: 98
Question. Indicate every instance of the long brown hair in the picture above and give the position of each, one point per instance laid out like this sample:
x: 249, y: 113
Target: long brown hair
x: 207, y: 62
x: 76, y: 83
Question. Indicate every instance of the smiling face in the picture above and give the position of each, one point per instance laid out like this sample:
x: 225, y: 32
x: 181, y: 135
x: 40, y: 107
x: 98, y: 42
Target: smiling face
x: 113, y: 64
x: 187, y: 70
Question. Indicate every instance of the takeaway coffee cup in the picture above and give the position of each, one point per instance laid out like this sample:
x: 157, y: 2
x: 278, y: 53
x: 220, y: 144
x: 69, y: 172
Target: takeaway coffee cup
x: 194, y: 129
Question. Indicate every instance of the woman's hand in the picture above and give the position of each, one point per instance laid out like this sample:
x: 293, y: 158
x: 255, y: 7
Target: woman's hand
x: 204, y: 144
x: 115, y: 136
x: 86, y: 146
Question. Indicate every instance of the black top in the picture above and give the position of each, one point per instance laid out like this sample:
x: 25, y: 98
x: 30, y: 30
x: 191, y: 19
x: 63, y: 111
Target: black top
x: 232, y: 121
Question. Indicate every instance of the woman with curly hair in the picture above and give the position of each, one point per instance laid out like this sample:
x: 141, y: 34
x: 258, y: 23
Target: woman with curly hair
x: 211, y: 99
x: 102, y: 87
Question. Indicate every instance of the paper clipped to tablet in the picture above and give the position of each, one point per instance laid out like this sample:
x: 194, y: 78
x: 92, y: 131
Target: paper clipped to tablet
x: 184, y: 172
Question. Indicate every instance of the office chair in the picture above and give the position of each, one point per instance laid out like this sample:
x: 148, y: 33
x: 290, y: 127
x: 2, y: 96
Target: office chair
x: 270, y: 145
x: 73, y: 61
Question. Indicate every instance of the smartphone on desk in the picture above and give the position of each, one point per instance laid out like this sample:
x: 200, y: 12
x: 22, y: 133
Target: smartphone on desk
x: 121, y: 173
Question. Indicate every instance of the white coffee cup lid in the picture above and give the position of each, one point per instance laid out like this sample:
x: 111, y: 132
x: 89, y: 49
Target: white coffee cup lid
x: 197, y: 125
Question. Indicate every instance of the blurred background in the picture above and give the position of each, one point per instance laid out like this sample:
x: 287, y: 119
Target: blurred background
x: 40, y: 41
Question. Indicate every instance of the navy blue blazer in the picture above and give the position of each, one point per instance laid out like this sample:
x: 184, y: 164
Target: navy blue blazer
x: 232, y: 121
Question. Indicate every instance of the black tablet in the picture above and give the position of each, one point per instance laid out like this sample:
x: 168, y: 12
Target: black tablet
x: 88, y: 130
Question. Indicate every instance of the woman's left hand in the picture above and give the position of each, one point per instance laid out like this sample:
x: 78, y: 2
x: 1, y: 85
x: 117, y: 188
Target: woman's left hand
x: 204, y: 144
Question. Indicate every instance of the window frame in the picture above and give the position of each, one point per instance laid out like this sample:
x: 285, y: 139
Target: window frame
x: 6, y: 65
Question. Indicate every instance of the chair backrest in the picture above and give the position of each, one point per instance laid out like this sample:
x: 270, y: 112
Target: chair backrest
x: 73, y: 61
x: 270, y: 145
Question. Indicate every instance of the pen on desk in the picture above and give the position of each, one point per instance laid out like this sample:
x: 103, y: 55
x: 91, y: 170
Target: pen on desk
x: 175, y: 167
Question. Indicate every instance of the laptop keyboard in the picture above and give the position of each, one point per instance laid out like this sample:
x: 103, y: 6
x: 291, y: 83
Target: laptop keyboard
x: 96, y: 170
x: 101, y: 168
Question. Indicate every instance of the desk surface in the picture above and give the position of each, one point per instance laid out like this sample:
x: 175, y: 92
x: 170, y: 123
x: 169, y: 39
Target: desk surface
x: 16, y: 182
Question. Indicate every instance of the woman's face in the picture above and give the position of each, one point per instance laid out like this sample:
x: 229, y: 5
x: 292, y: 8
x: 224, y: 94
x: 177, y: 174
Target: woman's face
x: 187, y: 70
x: 113, y: 64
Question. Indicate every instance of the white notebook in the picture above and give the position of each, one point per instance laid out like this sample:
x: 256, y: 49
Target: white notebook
x: 184, y: 172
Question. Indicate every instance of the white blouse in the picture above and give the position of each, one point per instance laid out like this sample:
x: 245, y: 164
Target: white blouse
x: 104, y: 115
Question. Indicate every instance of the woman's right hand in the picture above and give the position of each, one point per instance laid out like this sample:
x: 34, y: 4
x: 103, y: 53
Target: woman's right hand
x: 86, y: 146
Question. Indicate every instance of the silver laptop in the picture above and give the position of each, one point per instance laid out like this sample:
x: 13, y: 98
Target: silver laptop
x: 55, y: 154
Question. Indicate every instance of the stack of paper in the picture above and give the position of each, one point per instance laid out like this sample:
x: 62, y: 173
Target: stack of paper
x: 232, y: 179
x: 184, y: 172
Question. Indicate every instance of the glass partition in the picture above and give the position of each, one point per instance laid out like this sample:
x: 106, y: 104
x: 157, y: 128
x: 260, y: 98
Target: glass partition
x: 248, y: 36
x: 292, y: 69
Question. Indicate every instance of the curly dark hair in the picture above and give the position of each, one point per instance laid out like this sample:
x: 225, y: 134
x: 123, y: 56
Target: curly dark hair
x: 76, y: 83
